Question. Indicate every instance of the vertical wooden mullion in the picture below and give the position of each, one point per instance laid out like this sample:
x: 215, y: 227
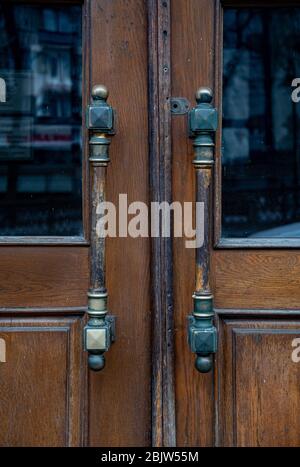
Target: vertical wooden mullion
x: 163, y: 391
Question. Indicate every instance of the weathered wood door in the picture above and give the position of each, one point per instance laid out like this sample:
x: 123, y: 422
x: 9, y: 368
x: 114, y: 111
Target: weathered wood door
x: 247, y: 53
x: 52, y: 53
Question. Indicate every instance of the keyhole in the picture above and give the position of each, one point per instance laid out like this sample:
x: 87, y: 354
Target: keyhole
x: 2, y: 351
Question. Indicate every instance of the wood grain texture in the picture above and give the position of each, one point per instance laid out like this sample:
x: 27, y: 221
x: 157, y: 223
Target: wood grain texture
x: 256, y: 279
x: 160, y: 155
x: 253, y: 396
x: 256, y: 381
x: 192, y: 49
x: 42, y: 301
x: 43, y: 276
x: 42, y: 382
x: 259, y: 398
x: 56, y: 277
x: 120, y: 396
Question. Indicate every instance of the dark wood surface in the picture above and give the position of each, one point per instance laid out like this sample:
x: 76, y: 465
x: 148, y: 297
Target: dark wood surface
x: 192, y: 47
x: 160, y: 166
x: 120, y: 396
x: 252, y: 399
x: 146, y: 52
x: 259, y: 383
x: 37, y: 276
x: 256, y: 279
x: 42, y: 382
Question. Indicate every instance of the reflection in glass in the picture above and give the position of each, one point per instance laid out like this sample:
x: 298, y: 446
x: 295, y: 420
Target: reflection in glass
x: 261, y: 131
x: 40, y: 131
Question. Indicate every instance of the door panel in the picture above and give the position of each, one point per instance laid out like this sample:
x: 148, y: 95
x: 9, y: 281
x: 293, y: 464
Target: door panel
x: 251, y: 397
x: 124, y: 388
x: 42, y: 382
x: 45, y: 279
x: 259, y: 383
x: 44, y: 261
x: 192, y: 48
x: 43, y: 276
x: 255, y: 279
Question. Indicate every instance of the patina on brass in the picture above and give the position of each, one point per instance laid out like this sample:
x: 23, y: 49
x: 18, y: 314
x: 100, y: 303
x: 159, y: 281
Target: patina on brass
x: 100, y: 330
x: 202, y: 334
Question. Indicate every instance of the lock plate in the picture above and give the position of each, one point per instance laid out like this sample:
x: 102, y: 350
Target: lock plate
x: 179, y: 105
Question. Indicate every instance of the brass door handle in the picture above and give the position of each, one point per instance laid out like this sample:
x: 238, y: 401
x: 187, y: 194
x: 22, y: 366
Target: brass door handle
x: 99, y: 332
x: 202, y: 334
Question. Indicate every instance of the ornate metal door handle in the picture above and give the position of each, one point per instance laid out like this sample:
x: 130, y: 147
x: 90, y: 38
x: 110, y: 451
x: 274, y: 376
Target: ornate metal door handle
x: 202, y: 334
x: 100, y: 330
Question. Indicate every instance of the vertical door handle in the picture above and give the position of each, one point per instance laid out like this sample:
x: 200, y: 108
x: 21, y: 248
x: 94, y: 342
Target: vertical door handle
x: 99, y: 332
x: 202, y: 334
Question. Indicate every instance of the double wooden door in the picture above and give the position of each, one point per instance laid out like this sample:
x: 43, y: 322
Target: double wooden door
x: 148, y: 53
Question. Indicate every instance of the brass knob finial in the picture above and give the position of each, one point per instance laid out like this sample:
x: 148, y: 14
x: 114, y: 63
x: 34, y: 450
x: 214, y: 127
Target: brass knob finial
x: 204, y: 95
x: 100, y: 92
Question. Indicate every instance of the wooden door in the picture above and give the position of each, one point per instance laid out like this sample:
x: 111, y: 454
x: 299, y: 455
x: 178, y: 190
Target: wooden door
x: 247, y: 53
x: 52, y: 53
x: 148, y: 52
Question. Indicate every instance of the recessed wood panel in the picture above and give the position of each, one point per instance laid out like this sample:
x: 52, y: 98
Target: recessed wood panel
x: 256, y: 279
x: 258, y: 384
x: 41, y: 382
x: 43, y: 276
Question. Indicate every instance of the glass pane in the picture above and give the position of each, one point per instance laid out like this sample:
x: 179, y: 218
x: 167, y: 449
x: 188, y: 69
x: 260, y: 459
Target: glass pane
x: 40, y: 114
x: 261, y: 131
